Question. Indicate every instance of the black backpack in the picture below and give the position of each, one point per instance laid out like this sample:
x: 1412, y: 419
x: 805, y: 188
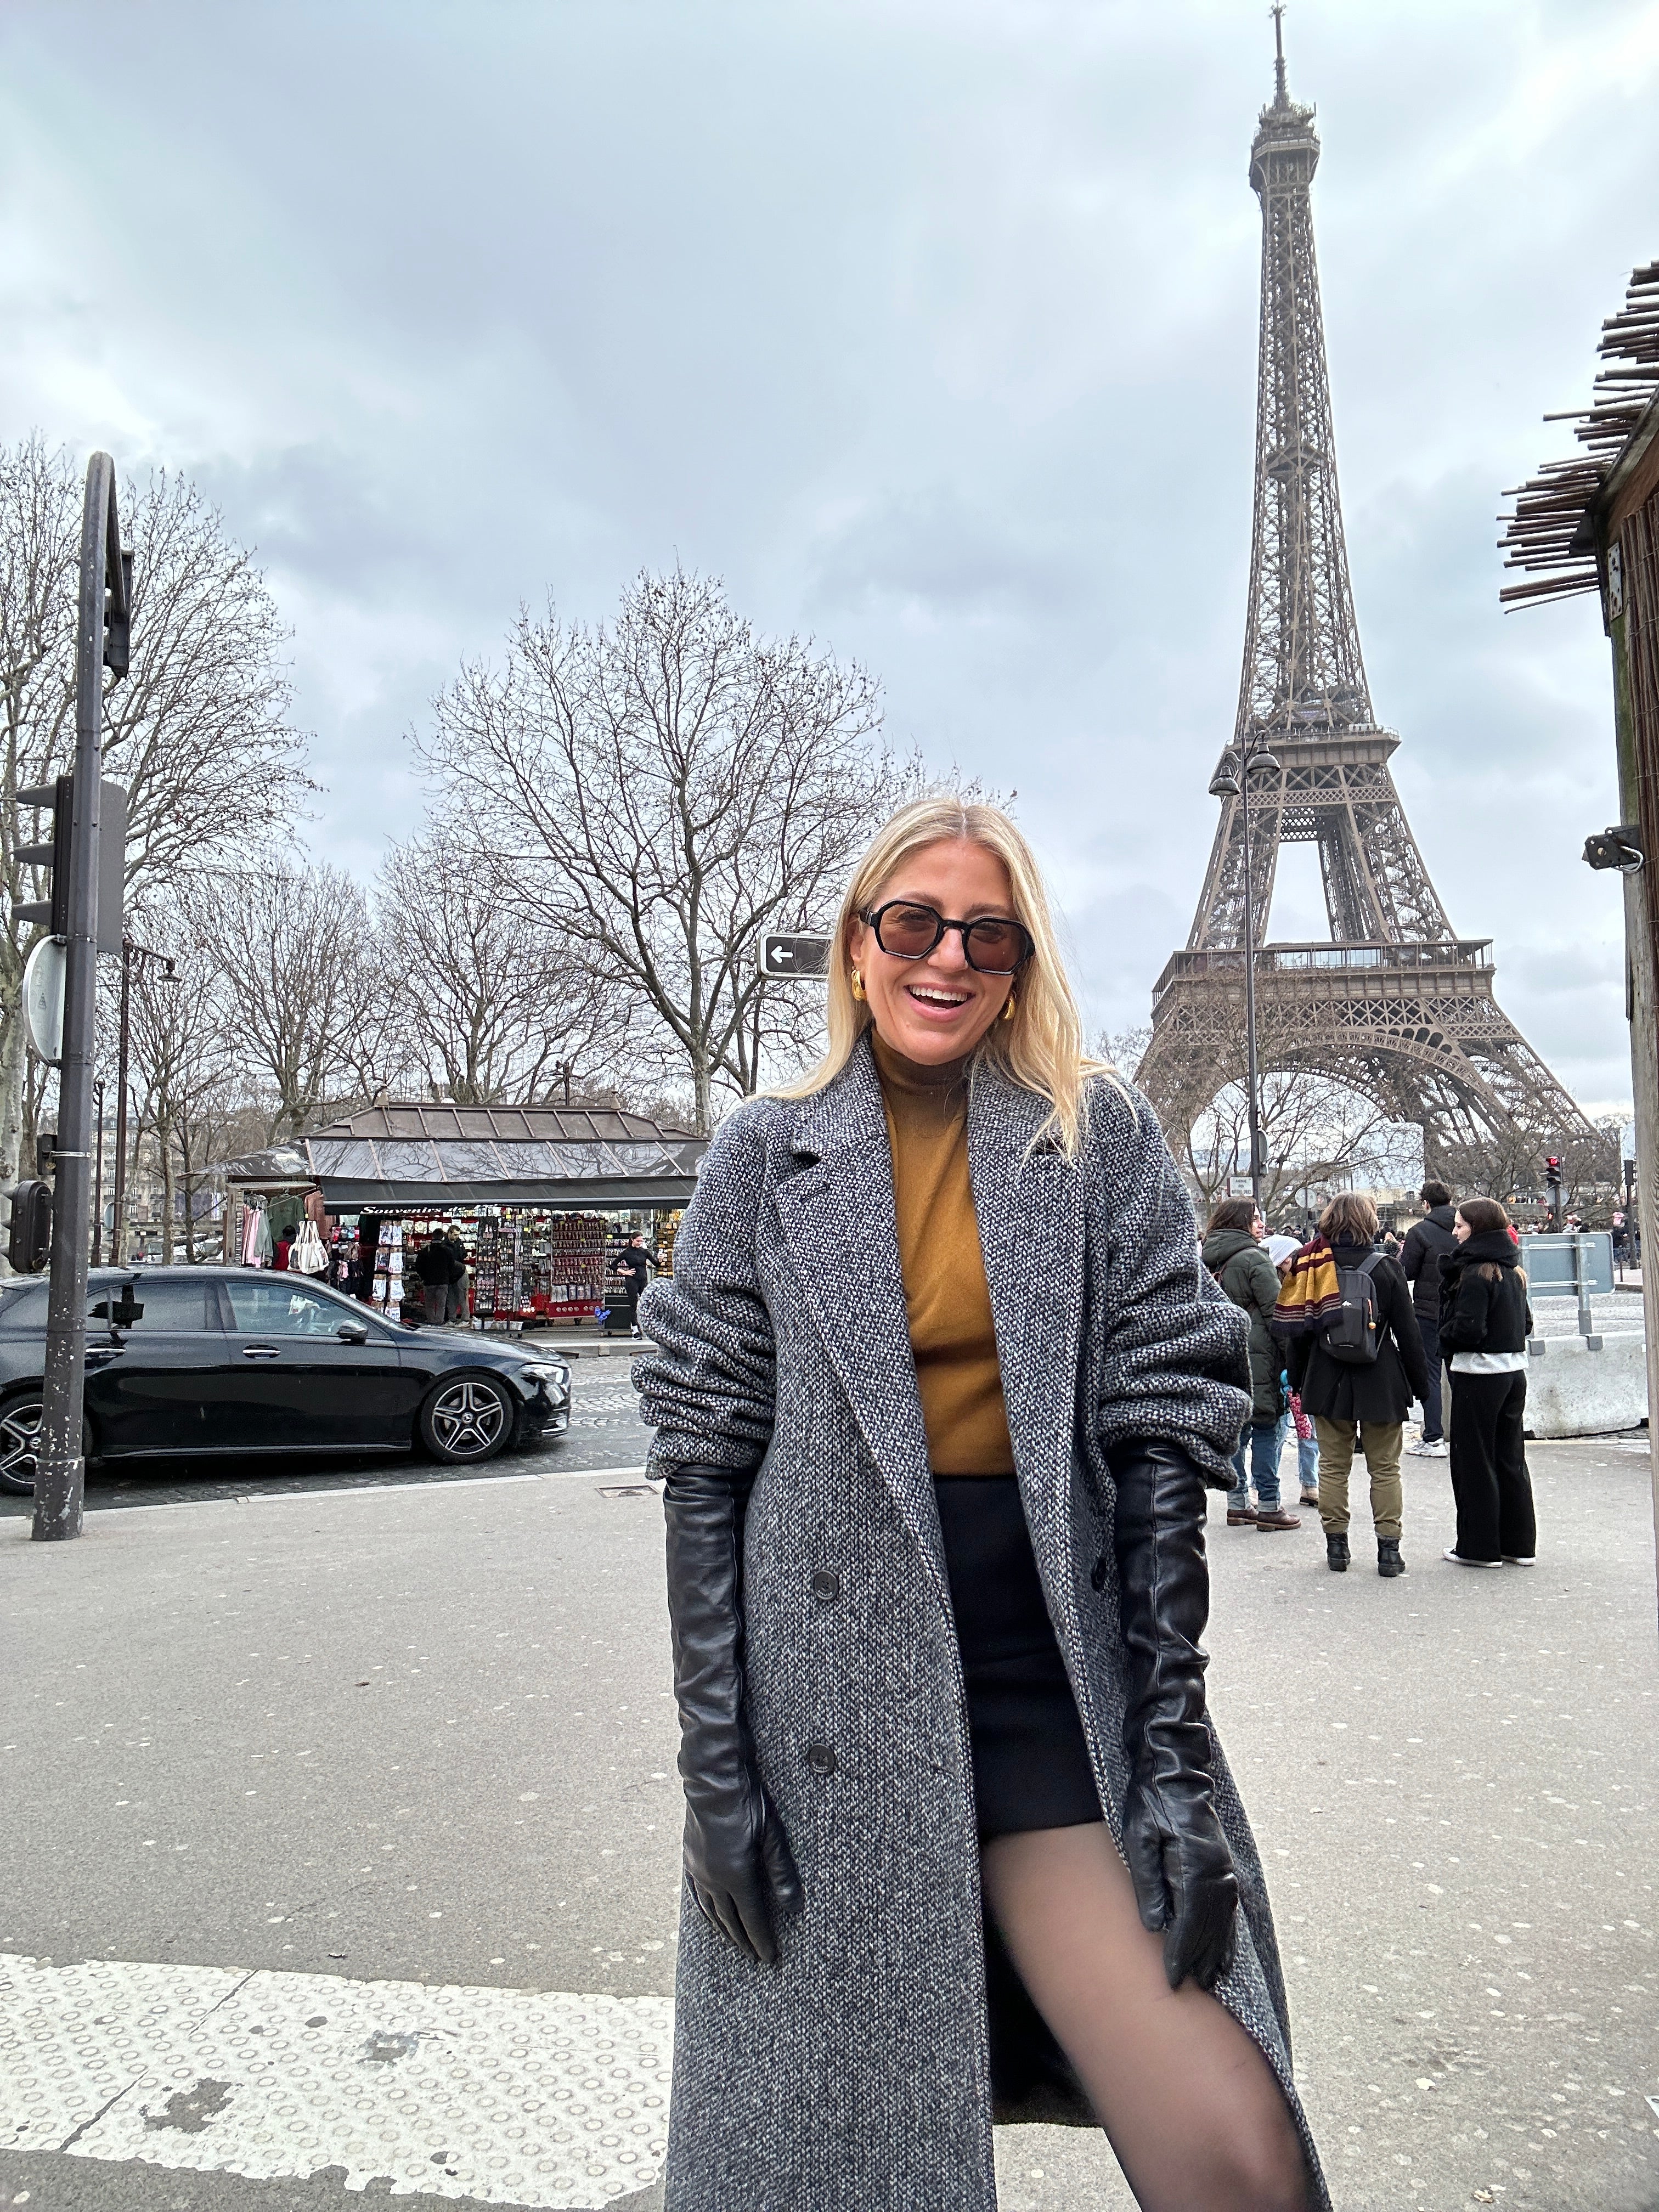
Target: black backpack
x: 1351, y: 1334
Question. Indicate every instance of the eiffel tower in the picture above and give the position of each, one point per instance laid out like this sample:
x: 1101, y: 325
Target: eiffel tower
x: 1395, y: 1006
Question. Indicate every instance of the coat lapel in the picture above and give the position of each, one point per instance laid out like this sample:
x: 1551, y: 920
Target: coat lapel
x: 839, y: 1216
x: 1029, y: 1199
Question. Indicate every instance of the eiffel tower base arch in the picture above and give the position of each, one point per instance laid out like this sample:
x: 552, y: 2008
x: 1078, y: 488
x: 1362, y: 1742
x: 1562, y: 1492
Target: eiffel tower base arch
x: 1414, y: 1030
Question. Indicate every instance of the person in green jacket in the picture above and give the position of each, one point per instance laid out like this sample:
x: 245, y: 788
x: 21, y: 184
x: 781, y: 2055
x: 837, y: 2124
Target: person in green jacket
x: 1234, y: 1255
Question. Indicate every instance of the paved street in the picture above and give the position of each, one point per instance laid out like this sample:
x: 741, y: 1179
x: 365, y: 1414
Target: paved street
x: 344, y: 1842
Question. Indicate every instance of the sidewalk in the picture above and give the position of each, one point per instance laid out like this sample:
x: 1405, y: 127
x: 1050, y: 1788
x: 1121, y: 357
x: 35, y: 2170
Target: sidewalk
x: 343, y: 1824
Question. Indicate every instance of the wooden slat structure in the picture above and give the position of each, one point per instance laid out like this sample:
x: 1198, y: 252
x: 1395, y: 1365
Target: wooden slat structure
x: 1592, y: 524
x: 1551, y: 535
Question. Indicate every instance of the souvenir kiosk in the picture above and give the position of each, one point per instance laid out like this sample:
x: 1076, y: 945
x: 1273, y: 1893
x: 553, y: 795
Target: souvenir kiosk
x: 542, y: 1198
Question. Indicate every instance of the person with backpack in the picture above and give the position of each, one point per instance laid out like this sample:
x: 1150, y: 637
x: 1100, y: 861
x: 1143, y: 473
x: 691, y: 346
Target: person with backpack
x: 1354, y: 1357
x: 1239, y: 1262
x: 1484, y: 1322
x: 1427, y: 1242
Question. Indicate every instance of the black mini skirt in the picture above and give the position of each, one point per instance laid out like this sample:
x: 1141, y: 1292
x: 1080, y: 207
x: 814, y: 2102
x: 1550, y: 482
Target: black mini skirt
x: 1030, y: 1763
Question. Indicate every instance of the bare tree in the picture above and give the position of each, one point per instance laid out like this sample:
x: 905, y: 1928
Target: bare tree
x: 198, y: 731
x: 497, y: 1006
x: 663, y: 790
x: 1317, y: 1138
x: 1317, y: 1135
x: 185, y: 1077
x: 305, y: 989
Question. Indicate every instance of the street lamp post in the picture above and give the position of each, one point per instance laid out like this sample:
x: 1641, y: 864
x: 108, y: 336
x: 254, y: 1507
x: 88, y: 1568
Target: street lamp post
x: 130, y: 952
x: 1228, y: 783
x: 98, y: 1181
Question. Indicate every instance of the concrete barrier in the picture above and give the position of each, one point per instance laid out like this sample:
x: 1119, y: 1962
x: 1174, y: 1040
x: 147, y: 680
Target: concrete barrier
x: 1580, y: 1388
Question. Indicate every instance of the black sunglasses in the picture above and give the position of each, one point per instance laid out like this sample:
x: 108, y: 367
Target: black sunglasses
x: 990, y: 946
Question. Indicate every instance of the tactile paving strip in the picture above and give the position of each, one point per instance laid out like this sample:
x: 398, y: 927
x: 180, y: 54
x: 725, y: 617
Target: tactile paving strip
x: 503, y: 2096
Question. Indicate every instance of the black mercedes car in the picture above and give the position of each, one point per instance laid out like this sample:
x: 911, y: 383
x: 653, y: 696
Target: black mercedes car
x: 183, y: 1361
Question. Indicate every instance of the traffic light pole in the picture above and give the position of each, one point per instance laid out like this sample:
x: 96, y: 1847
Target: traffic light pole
x: 104, y: 607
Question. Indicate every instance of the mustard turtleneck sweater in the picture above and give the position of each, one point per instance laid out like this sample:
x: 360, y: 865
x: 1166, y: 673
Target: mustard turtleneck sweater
x: 946, y: 1292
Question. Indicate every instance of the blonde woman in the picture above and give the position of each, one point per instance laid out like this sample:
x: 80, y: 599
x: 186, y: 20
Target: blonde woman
x: 941, y: 1383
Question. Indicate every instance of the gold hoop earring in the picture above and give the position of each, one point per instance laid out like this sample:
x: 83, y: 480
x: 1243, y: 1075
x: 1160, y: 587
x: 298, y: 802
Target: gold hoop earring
x: 857, y: 984
x: 1008, y: 1007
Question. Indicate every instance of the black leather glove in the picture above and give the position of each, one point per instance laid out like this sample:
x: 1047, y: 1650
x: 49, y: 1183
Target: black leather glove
x: 736, y: 1855
x: 1178, y: 1856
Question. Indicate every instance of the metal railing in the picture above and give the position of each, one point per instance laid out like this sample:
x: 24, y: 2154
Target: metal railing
x: 1472, y: 952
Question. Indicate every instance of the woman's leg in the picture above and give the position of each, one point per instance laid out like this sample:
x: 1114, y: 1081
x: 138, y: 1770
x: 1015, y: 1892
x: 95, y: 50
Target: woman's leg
x: 1267, y: 1442
x: 1517, y: 1526
x: 1382, y: 1442
x: 1190, y: 2105
x: 1335, y: 1459
x: 1238, y: 1498
x: 1474, y: 1474
x: 1307, y: 1463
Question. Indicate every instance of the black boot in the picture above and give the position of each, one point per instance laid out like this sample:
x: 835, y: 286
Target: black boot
x: 1336, y: 1554
x: 1388, y: 1561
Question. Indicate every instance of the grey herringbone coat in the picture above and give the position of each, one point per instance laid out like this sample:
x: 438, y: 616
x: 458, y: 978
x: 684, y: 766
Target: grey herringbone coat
x: 854, y: 2075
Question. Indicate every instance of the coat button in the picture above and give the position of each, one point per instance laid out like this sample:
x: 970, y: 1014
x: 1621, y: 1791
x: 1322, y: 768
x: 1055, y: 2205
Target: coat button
x: 826, y: 1584
x: 1097, y: 1573
x: 821, y: 1759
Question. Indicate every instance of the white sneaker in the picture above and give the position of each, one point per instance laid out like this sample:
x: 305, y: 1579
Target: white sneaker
x: 1458, y: 1560
x: 1512, y: 1560
x: 1439, y: 1449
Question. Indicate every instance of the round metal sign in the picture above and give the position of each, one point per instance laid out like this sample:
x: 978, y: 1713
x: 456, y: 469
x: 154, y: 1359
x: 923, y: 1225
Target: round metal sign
x: 43, y: 999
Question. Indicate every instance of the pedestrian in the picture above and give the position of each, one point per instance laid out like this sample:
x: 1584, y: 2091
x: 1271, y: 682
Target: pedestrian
x: 1235, y: 1255
x: 938, y: 1384
x: 432, y: 1268
x: 1307, y: 1450
x: 1427, y: 1242
x: 1486, y: 1320
x: 634, y: 1266
x: 1355, y: 1359
x: 455, y: 1253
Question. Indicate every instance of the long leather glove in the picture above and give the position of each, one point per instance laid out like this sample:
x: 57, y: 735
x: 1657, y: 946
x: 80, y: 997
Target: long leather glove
x: 736, y: 1855
x: 1178, y: 1857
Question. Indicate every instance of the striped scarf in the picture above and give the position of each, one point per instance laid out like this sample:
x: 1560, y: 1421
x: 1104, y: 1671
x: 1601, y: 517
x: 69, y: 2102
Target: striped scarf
x: 1309, y: 1291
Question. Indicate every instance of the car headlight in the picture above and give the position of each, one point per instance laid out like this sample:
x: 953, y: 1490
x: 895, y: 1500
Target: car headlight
x: 538, y: 1370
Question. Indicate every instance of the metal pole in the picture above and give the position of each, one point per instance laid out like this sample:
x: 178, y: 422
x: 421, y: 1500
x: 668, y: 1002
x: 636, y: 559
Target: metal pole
x: 98, y: 1183
x: 1249, y: 984
x: 116, y: 1233
x: 60, y: 1470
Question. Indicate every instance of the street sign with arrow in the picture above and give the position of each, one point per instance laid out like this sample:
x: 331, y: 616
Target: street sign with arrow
x: 795, y: 956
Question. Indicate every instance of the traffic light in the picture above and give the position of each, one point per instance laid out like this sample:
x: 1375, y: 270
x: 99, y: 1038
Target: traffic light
x: 29, y: 1246
x: 56, y: 800
x: 1552, y: 1172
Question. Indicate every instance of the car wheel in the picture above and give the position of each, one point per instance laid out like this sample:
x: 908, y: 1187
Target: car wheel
x: 20, y: 1443
x: 466, y: 1419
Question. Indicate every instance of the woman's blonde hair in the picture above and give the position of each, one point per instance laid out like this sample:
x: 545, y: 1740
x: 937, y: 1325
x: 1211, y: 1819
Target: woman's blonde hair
x: 1042, y: 1047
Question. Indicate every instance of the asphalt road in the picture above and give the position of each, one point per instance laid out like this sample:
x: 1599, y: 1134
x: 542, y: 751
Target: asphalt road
x: 604, y: 1430
x: 331, y: 1781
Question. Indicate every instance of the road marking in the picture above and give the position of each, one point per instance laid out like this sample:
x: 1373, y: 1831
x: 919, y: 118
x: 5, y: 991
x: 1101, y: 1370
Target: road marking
x: 516, y: 2096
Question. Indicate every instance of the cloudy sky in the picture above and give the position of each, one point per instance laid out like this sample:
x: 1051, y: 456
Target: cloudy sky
x: 929, y: 324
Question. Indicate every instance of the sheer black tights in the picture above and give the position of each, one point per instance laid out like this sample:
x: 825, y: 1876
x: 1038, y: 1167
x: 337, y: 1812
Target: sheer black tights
x: 1188, y: 2103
